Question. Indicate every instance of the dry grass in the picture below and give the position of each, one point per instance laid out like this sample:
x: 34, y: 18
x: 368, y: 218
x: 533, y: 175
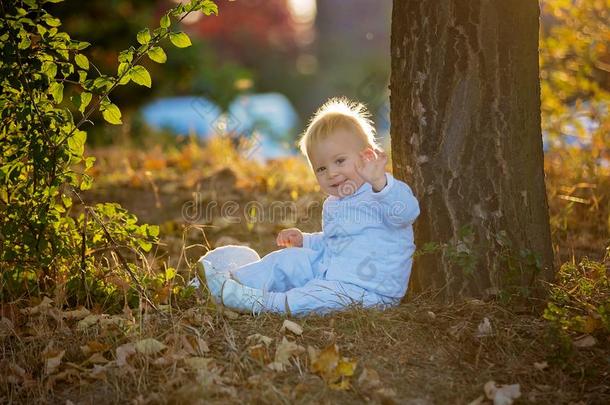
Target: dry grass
x: 423, y: 352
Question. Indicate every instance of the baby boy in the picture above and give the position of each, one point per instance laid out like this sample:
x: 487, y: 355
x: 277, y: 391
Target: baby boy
x: 363, y: 255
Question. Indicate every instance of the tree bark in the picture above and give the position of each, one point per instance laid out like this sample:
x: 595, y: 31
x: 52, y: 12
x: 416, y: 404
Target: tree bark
x: 465, y: 119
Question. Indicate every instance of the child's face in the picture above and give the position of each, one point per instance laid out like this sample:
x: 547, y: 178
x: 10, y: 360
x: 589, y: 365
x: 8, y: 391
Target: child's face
x: 333, y: 160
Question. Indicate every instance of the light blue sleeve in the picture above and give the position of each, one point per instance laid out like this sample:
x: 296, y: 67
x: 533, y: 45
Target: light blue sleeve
x: 399, y: 205
x: 313, y: 240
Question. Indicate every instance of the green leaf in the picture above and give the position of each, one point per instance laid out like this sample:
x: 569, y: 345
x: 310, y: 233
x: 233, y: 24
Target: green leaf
x: 140, y: 75
x: 144, y: 36
x: 170, y: 273
x: 57, y: 91
x: 112, y: 114
x: 49, y: 69
x: 180, y: 39
x: 25, y: 41
x: 126, y: 56
x: 157, y: 54
x: 41, y: 30
x: 80, y: 45
x: 85, y: 99
x: 82, y: 61
x: 165, y: 21
x: 209, y: 7
x: 153, y: 230
x: 123, y: 73
x: 144, y: 245
x: 76, y: 142
x: 51, y: 22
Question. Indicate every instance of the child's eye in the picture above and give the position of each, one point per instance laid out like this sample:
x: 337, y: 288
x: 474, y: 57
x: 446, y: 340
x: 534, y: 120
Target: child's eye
x: 320, y: 169
x: 341, y: 160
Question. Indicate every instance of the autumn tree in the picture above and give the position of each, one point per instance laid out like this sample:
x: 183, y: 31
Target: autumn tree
x: 465, y: 115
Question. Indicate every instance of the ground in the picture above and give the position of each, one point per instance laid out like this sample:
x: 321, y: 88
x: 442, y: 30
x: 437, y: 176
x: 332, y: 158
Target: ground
x: 421, y: 352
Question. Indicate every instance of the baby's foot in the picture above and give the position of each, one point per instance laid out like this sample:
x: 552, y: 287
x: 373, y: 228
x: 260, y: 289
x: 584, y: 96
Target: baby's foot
x: 208, y: 275
x: 241, y: 298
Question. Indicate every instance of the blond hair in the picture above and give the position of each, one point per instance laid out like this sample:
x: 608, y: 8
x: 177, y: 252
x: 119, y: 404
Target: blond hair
x: 338, y: 113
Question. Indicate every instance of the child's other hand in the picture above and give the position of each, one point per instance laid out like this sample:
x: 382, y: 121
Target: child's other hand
x: 372, y: 167
x: 290, y: 237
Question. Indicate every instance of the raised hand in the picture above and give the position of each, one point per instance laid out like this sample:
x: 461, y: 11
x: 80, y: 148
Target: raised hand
x: 372, y: 167
x: 290, y: 237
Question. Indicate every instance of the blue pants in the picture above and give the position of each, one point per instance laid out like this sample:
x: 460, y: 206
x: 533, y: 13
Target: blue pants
x: 293, y: 282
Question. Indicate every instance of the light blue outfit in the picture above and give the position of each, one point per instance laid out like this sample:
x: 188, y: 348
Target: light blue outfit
x: 362, y: 256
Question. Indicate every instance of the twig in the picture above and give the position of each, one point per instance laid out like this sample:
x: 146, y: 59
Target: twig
x: 83, y: 263
x: 123, y: 262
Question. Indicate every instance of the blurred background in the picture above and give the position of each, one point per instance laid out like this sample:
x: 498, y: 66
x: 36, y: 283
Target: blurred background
x: 262, y: 67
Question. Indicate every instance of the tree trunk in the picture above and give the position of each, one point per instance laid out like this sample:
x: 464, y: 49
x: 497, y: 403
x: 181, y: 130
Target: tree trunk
x: 465, y: 117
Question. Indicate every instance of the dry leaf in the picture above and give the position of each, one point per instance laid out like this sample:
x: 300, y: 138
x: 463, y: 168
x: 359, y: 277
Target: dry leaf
x: 123, y: 352
x: 76, y: 314
x: 87, y: 322
x: 541, y: 366
x: 258, y: 338
x: 149, y: 346
x: 285, y: 350
x: 96, y: 358
x: 259, y: 352
x: 332, y: 368
x: 484, y: 328
x: 292, y: 327
x: 276, y: 366
x: 52, y: 360
x: 198, y: 346
x: 585, y: 341
x: 198, y: 363
x: 369, y: 380
x: 502, y: 394
x: 43, y: 307
x: 93, y: 346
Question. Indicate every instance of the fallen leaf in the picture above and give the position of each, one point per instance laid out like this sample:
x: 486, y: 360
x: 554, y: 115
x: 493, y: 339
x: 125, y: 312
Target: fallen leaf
x: 76, y: 314
x: 585, y: 341
x: 313, y: 353
x: 502, y: 394
x: 369, y: 380
x: 484, y: 328
x: 123, y: 352
x: 258, y: 338
x: 286, y: 349
x: 198, y: 363
x: 292, y: 327
x: 149, y: 346
x: 93, y: 346
x: 43, y: 307
x: 334, y: 369
x: 52, y: 360
x: 87, y: 322
x: 541, y: 366
x: 198, y: 345
x: 96, y: 358
x: 259, y: 353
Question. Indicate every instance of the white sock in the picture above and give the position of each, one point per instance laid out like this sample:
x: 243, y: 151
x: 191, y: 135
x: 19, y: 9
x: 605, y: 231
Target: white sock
x: 242, y: 298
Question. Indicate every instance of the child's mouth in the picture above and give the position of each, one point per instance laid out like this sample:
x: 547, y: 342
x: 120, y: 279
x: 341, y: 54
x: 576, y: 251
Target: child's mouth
x: 338, y: 184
